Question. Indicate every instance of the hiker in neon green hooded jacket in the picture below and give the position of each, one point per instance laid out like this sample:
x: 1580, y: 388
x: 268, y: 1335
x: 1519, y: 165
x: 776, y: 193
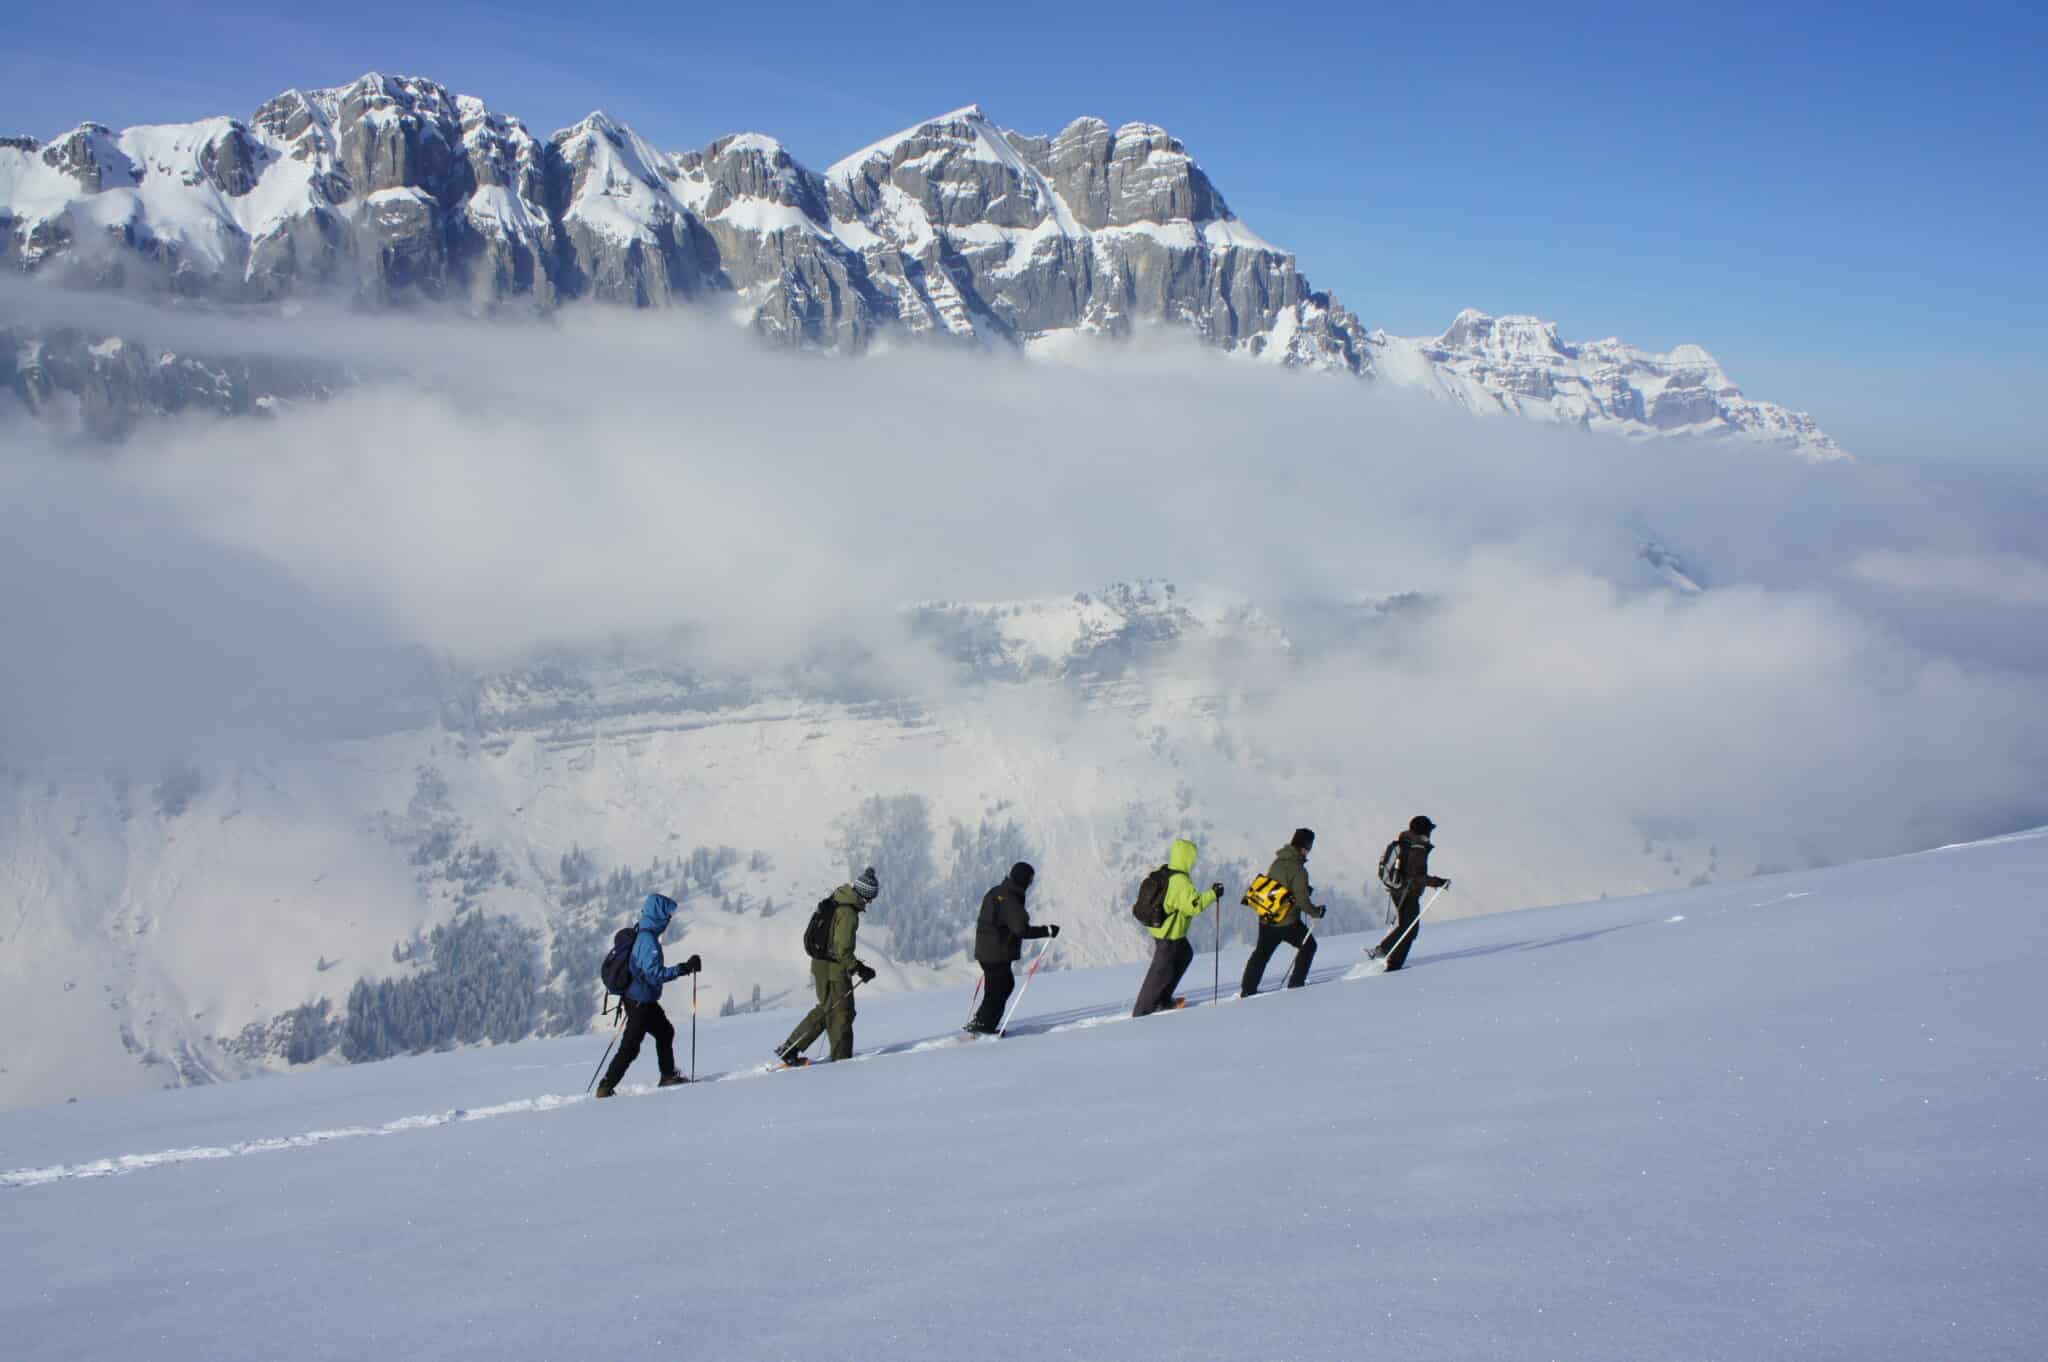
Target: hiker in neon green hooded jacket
x: 1171, y: 953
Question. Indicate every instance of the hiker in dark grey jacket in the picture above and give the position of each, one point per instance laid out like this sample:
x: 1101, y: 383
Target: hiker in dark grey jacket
x: 1414, y: 877
x: 999, y: 937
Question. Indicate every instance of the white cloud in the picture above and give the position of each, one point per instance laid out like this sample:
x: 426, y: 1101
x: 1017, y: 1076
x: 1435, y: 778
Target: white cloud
x: 2009, y: 578
x: 624, y: 477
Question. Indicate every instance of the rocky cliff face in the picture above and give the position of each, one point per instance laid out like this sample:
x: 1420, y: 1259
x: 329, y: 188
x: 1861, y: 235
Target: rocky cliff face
x: 392, y: 192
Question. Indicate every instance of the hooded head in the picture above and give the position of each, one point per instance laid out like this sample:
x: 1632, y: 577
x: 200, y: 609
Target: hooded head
x: 1421, y: 826
x: 1182, y: 857
x: 1304, y: 839
x: 1021, y: 874
x: 655, y: 913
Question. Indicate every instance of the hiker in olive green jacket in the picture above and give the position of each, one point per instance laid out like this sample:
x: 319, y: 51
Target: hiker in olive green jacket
x: 833, y: 974
x: 1290, y: 871
x: 1171, y: 953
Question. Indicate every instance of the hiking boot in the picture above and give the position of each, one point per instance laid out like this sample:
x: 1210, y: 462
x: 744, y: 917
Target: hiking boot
x: 975, y: 1028
x: 605, y: 1090
x: 671, y: 1081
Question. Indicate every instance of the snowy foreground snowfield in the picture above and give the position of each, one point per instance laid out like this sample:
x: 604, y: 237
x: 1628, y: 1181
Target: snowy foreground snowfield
x: 1797, y: 1117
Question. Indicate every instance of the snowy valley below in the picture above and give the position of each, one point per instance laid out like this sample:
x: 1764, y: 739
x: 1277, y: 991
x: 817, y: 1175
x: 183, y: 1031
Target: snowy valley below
x: 1794, y: 1117
x: 182, y: 925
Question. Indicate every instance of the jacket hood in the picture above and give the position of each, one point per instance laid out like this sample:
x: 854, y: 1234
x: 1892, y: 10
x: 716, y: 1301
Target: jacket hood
x: 1290, y: 852
x: 1182, y: 857
x: 846, y: 896
x: 655, y: 913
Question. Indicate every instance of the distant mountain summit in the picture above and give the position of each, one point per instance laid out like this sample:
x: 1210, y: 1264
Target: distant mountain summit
x: 1521, y: 365
x: 391, y: 191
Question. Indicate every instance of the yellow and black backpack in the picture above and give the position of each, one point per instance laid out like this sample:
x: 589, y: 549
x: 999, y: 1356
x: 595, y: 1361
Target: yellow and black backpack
x: 1268, y: 898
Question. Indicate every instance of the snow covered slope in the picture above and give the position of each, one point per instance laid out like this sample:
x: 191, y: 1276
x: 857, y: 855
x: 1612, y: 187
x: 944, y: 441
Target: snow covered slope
x: 1777, y: 1119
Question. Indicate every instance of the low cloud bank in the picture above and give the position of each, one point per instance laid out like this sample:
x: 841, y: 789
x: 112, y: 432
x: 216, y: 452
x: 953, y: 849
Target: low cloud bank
x: 1863, y: 671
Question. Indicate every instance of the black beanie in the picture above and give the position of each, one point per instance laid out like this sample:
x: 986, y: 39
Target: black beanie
x: 1421, y: 826
x: 1304, y: 838
x: 1021, y: 874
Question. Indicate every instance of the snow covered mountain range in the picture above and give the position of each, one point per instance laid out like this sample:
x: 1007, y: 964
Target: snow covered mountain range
x: 394, y: 192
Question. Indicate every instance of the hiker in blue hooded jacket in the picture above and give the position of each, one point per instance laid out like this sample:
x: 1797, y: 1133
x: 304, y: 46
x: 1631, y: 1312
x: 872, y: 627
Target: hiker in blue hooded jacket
x: 642, y: 1000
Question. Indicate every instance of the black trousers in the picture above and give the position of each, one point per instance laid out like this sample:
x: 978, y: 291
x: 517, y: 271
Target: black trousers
x: 1170, y: 960
x: 1295, y: 934
x: 998, y: 981
x: 643, y: 1019
x: 1408, y: 909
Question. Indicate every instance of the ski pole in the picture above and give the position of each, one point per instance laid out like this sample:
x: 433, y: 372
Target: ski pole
x: 693, y: 1026
x: 607, y: 1051
x: 1011, y: 1010
x: 1306, y: 941
x: 974, y: 1003
x: 1427, y: 903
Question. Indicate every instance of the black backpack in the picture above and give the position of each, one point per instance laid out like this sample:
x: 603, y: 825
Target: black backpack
x: 1390, y: 867
x: 1150, y: 909
x: 818, y: 931
x: 617, y: 969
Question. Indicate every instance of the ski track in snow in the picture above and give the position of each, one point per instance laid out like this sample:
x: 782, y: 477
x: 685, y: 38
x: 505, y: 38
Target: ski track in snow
x: 113, y: 1166
x: 132, y: 1163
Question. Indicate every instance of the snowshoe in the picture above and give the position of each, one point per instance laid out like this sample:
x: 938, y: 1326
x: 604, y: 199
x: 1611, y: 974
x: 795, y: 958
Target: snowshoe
x: 783, y: 1061
x: 606, y: 1090
x: 672, y: 1081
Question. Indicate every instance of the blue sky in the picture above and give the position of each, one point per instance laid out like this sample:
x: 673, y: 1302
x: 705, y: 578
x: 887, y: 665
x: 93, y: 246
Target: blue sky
x: 1844, y: 203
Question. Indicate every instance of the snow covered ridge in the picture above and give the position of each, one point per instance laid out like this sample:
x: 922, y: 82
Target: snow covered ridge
x: 1521, y: 365
x: 393, y: 191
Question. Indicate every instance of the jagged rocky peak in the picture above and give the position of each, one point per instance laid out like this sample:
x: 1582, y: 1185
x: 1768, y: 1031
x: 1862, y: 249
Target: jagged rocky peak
x: 958, y: 168
x: 501, y: 151
x: 1153, y: 179
x: 91, y: 156
x: 750, y: 165
x: 396, y: 134
x: 1513, y: 336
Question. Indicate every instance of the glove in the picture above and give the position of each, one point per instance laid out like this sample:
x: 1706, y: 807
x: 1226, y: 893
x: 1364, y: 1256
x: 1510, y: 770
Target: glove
x: 1217, y: 889
x: 1441, y: 883
x: 866, y: 972
x: 693, y: 964
x: 1052, y: 929
x: 1315, y: 911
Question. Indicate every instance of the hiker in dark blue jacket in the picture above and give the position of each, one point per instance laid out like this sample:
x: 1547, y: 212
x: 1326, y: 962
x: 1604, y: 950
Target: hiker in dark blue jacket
x: 642, y: 1000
